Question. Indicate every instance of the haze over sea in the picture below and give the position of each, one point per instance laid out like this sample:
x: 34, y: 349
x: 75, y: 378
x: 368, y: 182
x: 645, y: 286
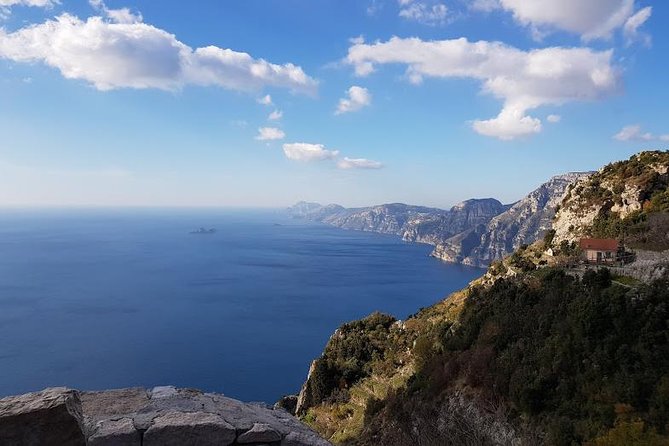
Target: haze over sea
x: 97, y: 299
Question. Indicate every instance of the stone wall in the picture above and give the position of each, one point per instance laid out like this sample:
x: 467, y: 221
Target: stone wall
x: 162, y: 416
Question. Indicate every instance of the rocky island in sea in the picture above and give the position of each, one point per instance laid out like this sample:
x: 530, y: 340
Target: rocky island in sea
x: 204, y: 231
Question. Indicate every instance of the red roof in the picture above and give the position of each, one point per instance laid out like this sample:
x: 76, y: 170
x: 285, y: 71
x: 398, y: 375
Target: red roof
x: 599, y: 244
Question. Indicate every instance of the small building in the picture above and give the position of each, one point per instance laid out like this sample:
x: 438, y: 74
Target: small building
x: 600, y: 251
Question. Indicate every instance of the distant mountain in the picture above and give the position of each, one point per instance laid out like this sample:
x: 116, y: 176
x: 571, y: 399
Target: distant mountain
x: 474, y: 232
x: 412, y: 223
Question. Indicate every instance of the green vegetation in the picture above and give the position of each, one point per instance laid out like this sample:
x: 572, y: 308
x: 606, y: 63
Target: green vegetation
x: 348, y: 357
x: 626, y: 280
x: 559, y: 354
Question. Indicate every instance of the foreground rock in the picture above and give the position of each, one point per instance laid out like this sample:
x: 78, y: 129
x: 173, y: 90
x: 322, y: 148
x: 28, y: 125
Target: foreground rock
x: 50, y: 417
x: 138, y: 417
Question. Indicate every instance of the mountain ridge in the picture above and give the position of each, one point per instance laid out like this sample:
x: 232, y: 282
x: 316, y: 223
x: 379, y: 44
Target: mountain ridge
x: 474, y: 232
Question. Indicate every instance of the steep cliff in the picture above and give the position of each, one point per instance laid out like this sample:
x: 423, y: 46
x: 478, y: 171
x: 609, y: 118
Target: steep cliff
x: 523, y: 223
x: 611, y: 202
x: 475, y: 232
x: 412, y: 223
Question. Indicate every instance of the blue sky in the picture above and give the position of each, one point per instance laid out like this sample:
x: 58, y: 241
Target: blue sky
x: 146, y: 103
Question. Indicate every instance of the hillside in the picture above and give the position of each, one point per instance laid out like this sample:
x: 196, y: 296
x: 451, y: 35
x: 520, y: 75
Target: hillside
x: 530, y: 354
x: 475, y: 232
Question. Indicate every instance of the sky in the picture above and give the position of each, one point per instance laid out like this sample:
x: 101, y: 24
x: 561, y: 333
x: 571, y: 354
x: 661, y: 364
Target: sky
x: 261, y: 103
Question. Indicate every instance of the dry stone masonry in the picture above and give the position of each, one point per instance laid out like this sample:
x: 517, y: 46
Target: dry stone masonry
x: 162, y: 416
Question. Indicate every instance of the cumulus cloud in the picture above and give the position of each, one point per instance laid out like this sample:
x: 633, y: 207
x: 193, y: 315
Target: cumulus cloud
x: 358, y: 163
x: 6, y: 5
x: 356, y: 98
x: 122, y: 15
x: 112, y: 55
x: 553, y: 119
x: 523, y: 80
x: 591, y: 19
x: 511, y: 123
x: 275, y: 115
x: 635, y: 133
x: 422, y: 11
x: 270, y: 134
x: 305, y: 152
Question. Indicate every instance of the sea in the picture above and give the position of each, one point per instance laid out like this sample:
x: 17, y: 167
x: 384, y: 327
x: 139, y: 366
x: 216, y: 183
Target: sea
x: 110, y: 298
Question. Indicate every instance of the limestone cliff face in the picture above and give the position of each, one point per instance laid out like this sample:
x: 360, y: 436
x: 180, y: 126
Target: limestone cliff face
x: 433, y: 229
x: 412, y: 223
x: 523, y: 223
x: 615, y: 192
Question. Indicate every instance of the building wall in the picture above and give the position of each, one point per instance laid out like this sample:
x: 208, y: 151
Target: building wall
x: 607, y: 256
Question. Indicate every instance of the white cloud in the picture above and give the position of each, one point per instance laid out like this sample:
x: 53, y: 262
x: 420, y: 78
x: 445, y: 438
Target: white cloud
x: 511, y: 123
x: 35, y: 3
x: 138, y: 55
x: 553, y: 119
x: 356, y: 98
x: 422, y: 11
x: 6, y: 5
x: 634, y: 133
x: 632, y: 25
x: 122, y: 15
x: 523, y: 80
x: 301, y: 151
x: 591, y: 19
x: 275, y: 115
x: 265, y: 100
x: 664, y: 137
x: 358, y: 163
x: 270, y: 134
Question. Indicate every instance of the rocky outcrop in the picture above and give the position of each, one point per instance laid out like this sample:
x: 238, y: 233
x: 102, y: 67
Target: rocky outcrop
x: 163, y: 416
x: 522, y: 224
x: 614, y: 193
x: 52, y: 417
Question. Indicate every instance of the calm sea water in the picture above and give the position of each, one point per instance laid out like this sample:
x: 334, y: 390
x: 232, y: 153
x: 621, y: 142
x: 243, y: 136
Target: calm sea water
x: 108, y: 299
